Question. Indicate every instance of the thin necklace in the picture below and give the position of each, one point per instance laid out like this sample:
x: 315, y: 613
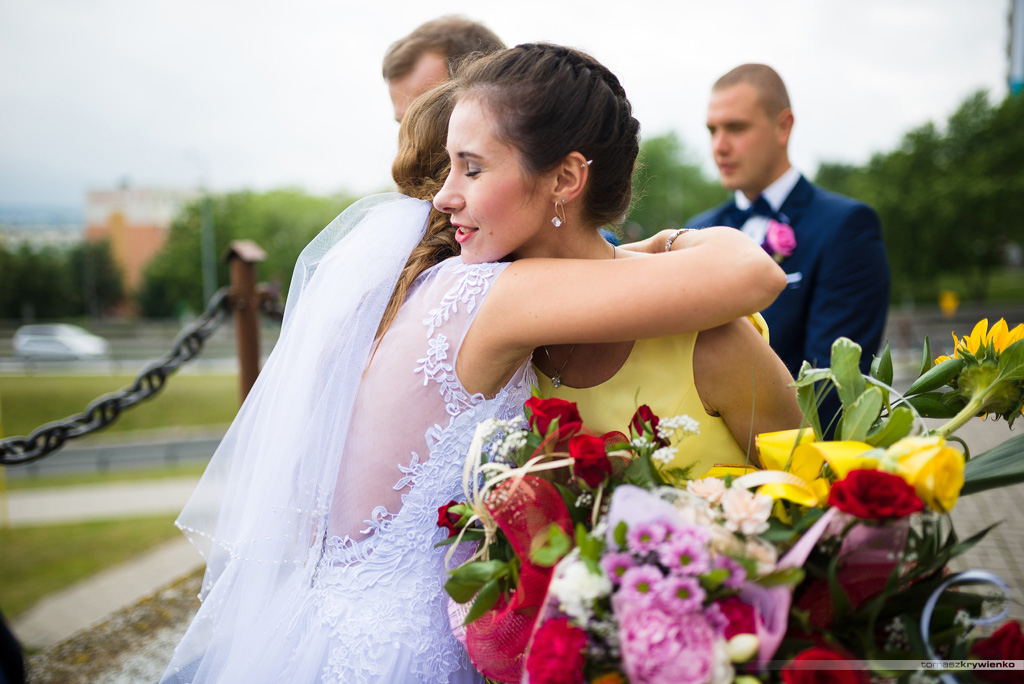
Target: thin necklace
x: 556, y: 379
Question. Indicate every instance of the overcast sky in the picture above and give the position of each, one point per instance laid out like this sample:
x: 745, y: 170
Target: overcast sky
x: 264, y: 93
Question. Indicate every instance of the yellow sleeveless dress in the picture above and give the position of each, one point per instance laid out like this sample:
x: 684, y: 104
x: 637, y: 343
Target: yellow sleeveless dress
x: 659, y: 373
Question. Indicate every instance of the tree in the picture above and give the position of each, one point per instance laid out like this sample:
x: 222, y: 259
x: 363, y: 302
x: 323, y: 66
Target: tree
x: 280, y: 221
x: 669, y: 187
x: 950, y: 201
x: 96, y: 278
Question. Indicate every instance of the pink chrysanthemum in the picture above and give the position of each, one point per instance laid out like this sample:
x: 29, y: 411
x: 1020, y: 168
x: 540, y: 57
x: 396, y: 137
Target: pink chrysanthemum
x: 616, y: 565
x: 645, y: 537
x: 684, y: 555
x: 639, y: 584
x: 679, y: 530
x: 680, y: 595
x: 663, y: 648
x: 737, y: 575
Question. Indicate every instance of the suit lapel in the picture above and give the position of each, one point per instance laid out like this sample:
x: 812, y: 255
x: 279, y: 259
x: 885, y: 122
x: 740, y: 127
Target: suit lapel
x: 796, y: 204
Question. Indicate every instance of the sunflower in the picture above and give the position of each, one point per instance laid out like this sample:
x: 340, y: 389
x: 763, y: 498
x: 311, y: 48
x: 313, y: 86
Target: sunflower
x: 983, y: 343
x: 981, y: 381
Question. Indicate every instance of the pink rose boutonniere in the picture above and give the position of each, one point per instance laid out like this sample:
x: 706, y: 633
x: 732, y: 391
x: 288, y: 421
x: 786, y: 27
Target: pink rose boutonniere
x: 779, y: 241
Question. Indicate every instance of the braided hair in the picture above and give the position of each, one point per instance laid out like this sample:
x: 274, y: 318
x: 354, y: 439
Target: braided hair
x: 548, y: 101
x: 419, y: 170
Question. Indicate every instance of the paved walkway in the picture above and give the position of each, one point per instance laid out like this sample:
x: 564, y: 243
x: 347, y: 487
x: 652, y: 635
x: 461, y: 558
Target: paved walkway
x: 60, y: 615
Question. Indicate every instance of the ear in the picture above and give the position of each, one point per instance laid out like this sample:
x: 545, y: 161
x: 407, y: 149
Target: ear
x: 570, y: 177
x: 784, y: 126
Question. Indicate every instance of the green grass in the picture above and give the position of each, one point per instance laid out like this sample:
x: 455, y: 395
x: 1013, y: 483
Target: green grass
x: 26, y: 402
x: 134, y: 475
x: 37, y: 561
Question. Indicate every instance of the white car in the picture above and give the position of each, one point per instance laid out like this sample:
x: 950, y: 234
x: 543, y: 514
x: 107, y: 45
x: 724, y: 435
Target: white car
x: 59, y: 341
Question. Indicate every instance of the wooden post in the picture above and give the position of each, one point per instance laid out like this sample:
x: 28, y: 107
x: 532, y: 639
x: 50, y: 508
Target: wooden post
x: 243, y: 255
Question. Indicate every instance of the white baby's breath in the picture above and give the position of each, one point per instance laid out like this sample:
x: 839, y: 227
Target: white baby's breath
x: 684, y: 423
x: 664, y: 455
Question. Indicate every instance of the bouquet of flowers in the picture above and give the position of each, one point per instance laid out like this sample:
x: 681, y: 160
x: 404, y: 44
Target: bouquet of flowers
x: 595, y: 563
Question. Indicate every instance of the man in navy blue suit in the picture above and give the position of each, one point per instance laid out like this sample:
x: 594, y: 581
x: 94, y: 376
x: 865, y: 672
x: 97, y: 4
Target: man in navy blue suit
x: 834, y: 258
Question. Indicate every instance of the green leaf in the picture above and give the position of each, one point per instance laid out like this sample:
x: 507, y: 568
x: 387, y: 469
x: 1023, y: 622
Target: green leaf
x: 485, y: 600
x: 936, y: 377
x: 554, y: 548
x: 998, y: 467
x: 712, y: 580
x: 846, y: 370
x: 467, y: 579
x: 809, y: 376
x: 808, y: 399
x: 620, y: 534
x: 589, y: 546
x: 789, y: 577
x: 861, y: 415
x: 778, y: 531
x: 895, y: 427
x: 926, y: 358
x: 930, y: 405
x: 881, y: 366
x: 1011, y: 362
x: 642, y: 473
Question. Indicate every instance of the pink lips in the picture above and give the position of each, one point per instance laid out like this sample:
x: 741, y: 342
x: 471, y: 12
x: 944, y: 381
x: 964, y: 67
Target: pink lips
x: 463, y: 233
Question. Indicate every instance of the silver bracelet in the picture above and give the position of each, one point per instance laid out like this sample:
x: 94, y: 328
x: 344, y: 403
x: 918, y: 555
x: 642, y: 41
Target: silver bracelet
x: 673, y: 236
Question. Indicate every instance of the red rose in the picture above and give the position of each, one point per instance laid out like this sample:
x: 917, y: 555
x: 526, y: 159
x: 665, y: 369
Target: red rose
x: 542, y: 412
x: 874, y: 495
x: 1007, y: 643
x: 740, y: 616
x: 815, y: 666
x: 590, y: 462
x: 645, y: 416
x: 556, y: 655
x: 449, y: 519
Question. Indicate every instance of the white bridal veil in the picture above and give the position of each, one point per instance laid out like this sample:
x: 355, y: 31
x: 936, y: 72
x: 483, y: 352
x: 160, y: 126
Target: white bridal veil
x: 265, y: 496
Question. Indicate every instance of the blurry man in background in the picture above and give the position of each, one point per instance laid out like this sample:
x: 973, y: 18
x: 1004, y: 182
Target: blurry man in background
x: 830, y: 246
x: 428, y: 56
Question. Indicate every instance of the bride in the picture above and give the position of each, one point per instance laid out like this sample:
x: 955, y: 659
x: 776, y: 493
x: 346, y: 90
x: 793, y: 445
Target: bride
x: 317, y: 514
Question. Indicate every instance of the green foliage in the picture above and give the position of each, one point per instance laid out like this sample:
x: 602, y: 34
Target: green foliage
x: 50, y: 283
x: 950, y: 200
x: 669, y: 186
x: 280, y: 221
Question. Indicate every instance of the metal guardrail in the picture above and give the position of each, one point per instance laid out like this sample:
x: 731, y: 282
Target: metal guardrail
x: 106, y: 409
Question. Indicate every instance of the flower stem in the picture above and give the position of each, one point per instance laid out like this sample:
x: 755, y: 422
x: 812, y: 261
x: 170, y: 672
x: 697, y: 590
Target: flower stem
x: 972, y: 409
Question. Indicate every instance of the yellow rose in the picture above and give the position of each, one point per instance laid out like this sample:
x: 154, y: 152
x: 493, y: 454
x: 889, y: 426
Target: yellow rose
x: 934, y: 470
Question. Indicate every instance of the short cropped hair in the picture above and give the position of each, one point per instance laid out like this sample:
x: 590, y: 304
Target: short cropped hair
x: 453, y: 37
x: 770, y: 88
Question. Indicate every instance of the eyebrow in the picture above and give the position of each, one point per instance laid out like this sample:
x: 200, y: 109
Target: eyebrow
x: 468, y: 155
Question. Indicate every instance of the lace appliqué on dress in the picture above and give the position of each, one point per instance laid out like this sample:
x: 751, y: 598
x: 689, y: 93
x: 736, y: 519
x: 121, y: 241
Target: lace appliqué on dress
x: 474, y: 281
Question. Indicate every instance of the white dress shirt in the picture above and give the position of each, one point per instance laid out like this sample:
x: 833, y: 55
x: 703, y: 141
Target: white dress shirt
x: 775, y: 194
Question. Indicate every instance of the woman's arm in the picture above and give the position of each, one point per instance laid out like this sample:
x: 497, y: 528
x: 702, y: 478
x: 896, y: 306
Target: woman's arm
x: 740, y: 378
x: 711, y: 276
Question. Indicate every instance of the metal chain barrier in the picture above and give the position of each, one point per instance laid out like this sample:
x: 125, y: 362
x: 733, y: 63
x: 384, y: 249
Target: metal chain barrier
x: 106, y: 409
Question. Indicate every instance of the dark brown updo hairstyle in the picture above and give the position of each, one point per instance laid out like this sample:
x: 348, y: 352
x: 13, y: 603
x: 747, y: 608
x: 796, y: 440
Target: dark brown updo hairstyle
x: 549, y: 101
x: 419, y: 170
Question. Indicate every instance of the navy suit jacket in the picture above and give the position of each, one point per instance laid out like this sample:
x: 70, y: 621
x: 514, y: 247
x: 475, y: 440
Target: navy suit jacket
x: 842, y: 289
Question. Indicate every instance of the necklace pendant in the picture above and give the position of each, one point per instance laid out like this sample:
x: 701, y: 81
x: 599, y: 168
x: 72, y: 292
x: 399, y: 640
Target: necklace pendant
x: 556, y: 381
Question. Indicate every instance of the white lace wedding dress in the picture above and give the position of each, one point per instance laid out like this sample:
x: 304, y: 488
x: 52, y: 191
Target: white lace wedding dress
x: 329, y: 572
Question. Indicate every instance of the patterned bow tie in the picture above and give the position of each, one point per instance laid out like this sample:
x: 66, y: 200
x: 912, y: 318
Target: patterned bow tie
x: 736, y: 217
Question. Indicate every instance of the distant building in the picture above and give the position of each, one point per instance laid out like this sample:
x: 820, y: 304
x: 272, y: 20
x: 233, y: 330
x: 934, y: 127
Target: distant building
x: 40, y: 227
x: 136, y: 222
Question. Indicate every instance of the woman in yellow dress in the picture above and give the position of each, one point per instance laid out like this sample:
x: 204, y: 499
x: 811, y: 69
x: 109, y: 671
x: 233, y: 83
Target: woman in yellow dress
x: 727, y: 379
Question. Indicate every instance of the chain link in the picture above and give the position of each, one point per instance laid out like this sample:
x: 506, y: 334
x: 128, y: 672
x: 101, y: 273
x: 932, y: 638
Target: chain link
x: 106, y: 409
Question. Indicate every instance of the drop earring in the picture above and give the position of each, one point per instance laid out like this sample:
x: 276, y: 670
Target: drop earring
x: 559, y: 218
